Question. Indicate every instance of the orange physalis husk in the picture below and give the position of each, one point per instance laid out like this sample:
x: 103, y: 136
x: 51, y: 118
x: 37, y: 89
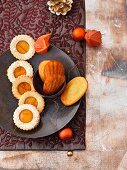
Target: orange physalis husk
x: 42, y: 43
x: 93, y: 38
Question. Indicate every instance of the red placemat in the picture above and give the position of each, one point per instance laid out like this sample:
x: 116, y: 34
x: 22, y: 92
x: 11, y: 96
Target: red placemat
x: 32, y: 17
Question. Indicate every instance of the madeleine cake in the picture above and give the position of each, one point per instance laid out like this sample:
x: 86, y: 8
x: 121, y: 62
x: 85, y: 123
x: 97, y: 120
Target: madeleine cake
x: 19, y: 68
x: 21, y: 85
x: 41, y: 68
x: 53, y: 68
x: 53, y: 84
x: 74, y: 90
x: 34, y: 99
x: 26, y: 117
x: 52, y: 74
x: 22, y: 47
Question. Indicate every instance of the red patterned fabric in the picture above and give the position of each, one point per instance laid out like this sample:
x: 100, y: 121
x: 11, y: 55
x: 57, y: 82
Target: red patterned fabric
x: 32, y: 17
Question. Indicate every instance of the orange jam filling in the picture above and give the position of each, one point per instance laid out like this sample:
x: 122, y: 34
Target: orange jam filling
x: 19, y: 71
x: 24, y: 87
x: 32, y: 101
x: 22, y: 47
x: 26, y: 116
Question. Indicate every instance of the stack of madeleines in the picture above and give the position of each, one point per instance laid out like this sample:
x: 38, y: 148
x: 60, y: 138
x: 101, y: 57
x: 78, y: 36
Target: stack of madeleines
x: 52, y: 74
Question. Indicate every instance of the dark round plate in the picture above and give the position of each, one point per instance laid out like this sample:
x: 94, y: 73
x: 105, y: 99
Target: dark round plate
x: 55, y: 115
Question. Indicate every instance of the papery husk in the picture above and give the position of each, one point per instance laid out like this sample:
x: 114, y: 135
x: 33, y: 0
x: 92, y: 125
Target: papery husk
x: 93, y: 38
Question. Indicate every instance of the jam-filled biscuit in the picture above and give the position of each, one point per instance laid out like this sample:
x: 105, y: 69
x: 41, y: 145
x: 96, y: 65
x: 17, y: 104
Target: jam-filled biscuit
x: 19, y: 68
x: 34, y: 99
x: 22, y: 47
x: 26, y: 117
x: 21, y: 85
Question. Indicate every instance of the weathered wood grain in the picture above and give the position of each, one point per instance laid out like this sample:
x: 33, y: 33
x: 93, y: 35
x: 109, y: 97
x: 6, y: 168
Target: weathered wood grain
x: 106, y: 119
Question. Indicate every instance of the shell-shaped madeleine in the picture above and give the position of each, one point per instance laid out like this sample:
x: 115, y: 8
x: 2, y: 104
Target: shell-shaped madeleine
x: 53, y: 84
x: 41, y: 68
x: 53, y: 68
x: 74, y: 91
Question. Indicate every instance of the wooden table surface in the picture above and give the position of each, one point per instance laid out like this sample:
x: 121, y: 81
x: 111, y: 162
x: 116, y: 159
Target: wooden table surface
x: 106, y: 117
